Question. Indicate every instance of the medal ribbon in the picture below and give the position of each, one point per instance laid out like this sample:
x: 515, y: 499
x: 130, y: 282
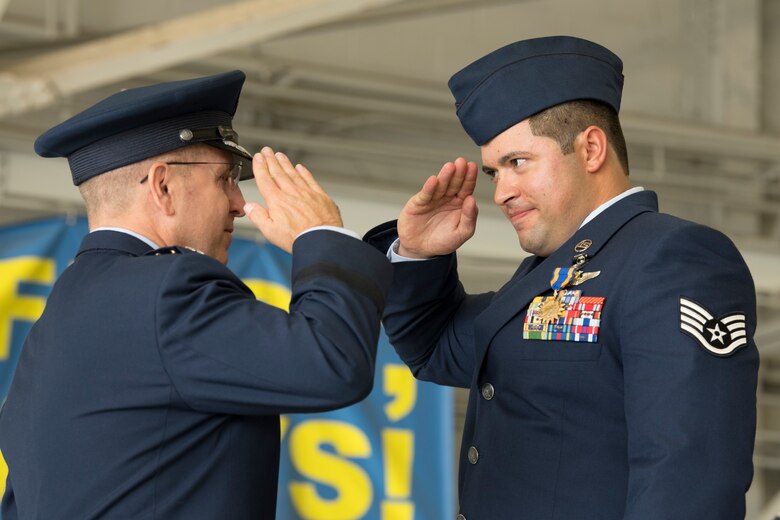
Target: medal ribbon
x: 561, y: 277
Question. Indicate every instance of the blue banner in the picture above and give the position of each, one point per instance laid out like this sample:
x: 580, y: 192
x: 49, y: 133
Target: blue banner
x: 389, y: 457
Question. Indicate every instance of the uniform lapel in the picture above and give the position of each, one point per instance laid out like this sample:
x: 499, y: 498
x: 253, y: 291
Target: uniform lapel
x: 534, y: 280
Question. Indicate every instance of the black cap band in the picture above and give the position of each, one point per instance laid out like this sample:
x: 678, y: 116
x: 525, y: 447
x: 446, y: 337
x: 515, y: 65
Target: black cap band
x: 137, y: 144
x: 138, y: 123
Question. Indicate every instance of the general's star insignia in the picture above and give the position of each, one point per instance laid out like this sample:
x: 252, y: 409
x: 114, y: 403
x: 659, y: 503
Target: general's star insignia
x: 720, y: 336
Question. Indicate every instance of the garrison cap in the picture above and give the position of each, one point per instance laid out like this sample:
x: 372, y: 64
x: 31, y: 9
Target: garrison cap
x: 524, y: 78
x: 138, y: 123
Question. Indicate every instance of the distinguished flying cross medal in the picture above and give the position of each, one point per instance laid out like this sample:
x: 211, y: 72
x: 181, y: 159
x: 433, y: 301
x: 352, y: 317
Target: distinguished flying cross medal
x: 552, y: 307
x: 566, y: 315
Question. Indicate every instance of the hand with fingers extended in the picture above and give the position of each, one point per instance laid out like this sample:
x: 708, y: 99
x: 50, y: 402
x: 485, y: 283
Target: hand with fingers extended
x: 443, y: 215
x: 295, y: 201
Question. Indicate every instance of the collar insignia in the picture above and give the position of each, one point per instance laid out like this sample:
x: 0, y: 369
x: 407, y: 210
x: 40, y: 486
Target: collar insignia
x: 583, y: 245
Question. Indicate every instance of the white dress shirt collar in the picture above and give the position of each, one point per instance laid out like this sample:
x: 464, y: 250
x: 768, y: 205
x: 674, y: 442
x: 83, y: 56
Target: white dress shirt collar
x: 595, y: 212
x: 128, y: 232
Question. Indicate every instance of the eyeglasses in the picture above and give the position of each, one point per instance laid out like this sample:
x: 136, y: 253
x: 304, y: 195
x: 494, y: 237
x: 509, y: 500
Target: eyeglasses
x: 230, y: 177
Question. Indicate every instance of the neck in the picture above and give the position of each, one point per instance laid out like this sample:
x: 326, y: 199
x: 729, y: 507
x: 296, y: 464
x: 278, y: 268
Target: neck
x: 612, y: 185
x: 130, y: 224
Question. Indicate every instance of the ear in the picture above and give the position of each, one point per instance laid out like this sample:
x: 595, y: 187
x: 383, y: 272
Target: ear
x: 594, y: 148
x: 158, y: 184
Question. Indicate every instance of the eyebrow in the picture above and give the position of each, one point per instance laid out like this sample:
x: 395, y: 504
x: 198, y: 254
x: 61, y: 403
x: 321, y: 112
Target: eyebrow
x: 505, y: 159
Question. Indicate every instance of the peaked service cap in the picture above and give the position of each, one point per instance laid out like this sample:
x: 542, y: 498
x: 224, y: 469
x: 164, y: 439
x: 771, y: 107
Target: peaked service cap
x: 139, y: 123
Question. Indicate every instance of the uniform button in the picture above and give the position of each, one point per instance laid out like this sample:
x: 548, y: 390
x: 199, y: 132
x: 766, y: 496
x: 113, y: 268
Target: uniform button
x: 473, y: 455
x: 460, y: 517
x: 488, y: 391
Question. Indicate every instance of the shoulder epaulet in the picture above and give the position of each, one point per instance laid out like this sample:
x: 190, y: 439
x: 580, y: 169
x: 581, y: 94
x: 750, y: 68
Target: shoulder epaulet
x: 174, y: 250
x: 168, y: 250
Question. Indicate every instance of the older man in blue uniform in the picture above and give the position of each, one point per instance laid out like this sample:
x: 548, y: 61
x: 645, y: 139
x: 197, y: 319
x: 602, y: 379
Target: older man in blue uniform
x: 152, y: 385
x: 614, y: 375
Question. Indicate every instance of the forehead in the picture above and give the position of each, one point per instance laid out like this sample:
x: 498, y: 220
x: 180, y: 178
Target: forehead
x: 204, y: 152
x: 517, y: 139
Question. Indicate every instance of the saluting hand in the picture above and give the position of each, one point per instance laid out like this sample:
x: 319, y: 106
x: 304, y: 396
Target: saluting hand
x: 443, y: 215
x: 296, y: 202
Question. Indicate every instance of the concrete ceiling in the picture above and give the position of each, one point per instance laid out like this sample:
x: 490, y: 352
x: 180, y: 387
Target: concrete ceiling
x: 356, y: 89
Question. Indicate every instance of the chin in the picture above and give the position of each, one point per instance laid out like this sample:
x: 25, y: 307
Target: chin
x: 529, y: 247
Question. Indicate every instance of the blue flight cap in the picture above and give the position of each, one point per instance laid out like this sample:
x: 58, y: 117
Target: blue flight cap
x: 139, y: 123
x: 523, y: 78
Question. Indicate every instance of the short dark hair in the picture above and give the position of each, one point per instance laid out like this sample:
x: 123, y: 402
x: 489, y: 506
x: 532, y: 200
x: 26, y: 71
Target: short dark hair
x: 564, y: 122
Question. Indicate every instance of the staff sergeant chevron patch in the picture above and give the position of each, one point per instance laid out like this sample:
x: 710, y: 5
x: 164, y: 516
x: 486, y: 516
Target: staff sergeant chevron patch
x: 720, y: 336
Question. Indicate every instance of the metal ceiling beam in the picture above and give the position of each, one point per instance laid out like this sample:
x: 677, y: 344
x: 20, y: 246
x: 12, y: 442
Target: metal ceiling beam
x: 735, y: 54
x: 3, y: 7
x: 379, y: 93
x: 43, y: 80
x: 60, y: 18
x: 412, y: 10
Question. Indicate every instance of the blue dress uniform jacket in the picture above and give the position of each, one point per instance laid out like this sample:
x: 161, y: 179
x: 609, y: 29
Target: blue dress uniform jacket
x: 152, y: 385
x: 645, y: 423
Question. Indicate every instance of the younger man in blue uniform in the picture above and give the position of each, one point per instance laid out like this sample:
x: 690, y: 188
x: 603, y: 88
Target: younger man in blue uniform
x: 152, y: 385
x: 614, y: 376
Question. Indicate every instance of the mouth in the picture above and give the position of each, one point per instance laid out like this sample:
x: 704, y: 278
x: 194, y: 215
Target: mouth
x: 517, y: 215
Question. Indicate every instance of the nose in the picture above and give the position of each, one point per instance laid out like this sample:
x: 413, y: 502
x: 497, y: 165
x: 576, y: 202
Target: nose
x: 237, y: 202
x: 504, y: 191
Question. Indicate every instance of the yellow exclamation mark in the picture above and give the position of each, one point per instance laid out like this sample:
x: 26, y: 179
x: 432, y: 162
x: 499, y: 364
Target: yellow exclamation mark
x: 398, y: 449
